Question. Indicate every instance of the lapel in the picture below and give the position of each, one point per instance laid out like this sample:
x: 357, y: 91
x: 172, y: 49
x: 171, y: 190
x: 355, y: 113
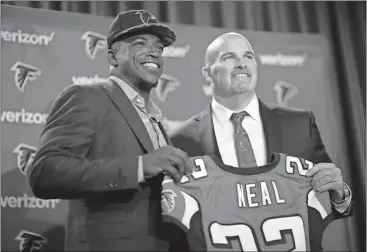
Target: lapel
x: 124, y: 105
x: 168, y: 140
x: 272, y: 129
x: 206, y: 134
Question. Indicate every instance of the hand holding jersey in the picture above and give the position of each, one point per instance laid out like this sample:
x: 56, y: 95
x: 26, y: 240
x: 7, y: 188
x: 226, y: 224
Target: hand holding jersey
x: 169, y: 160
x: 268, y: 208
x: 325, y: 177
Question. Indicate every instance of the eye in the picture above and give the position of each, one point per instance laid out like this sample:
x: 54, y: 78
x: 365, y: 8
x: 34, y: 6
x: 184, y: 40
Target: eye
x: 249, y: 56
x: 160, y: 48
x: 228, y: 57
x: 139, y: 43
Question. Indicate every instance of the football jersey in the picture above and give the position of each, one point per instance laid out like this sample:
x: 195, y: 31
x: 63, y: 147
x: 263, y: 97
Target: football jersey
x: 267, y: 208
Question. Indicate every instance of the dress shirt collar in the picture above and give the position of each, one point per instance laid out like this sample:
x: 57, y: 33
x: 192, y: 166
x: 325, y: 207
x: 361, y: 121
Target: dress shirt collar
x: 139, y: 101
x: 224, y: 114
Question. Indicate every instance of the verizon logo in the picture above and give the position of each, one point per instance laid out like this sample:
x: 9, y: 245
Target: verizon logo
x: 282, y: 60
x: 26, y: 38
x: 23, y: 117
x: 27, y: 202
x: 82, y: 80
x: 175, y: 51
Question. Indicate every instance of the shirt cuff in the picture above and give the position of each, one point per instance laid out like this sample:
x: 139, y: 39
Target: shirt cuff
x: 140, y: 170
x: 343, y: 206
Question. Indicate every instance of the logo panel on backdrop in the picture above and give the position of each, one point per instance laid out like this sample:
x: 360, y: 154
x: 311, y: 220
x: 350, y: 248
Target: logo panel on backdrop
x: 30, y: 242
x: 22, y: 37
x: 27, y: 202
x: 25, y: 155
x: 23, y: 116
x: 24, y: 73
x: 93, y: 42
x: 284, y: 92
x: 286, y: 60
x: 166, y: 84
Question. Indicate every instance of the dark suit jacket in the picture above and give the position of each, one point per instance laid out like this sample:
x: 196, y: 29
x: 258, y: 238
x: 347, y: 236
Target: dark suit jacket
x: 88, y: 154
x: 289, y: 131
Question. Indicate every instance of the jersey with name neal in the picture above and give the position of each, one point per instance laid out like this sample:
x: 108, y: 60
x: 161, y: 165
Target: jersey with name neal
x: 268, y: 208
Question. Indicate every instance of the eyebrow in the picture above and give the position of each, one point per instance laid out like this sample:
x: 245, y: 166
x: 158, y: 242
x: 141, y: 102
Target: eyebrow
x: 221, y: 55
x: 142, y: 38
x: 231, y: 53
x: 136, y: 37
x: 249, y: 52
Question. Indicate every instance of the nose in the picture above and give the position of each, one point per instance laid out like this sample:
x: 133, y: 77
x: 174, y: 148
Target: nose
x: 153, y: 52
x: 240, y: 63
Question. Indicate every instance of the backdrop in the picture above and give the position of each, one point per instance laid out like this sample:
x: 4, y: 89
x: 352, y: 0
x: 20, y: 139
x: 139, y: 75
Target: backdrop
x: 45, y: 51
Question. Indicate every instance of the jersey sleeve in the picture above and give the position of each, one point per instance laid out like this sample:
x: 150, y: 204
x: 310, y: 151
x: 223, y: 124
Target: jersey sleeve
x: 180, y: 201
x: 319, y: 216
x: 178, y: 206
x: 320, y: 202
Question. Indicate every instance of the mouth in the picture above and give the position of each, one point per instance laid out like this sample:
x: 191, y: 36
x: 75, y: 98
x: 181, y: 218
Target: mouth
x: 242, y: 75
x: 151, y: 65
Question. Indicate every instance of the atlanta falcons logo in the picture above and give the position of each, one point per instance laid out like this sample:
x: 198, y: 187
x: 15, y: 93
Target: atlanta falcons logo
x: 24, y: 73
x: 168, y: 199
x: 30, y: 242
x: 93, y: 42
x: 166, y: 84
x: 145, y: 16
x: 25, y: 155
x: 284, y: 92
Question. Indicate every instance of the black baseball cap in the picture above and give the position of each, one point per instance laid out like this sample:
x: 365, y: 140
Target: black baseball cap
x: 134, y: 22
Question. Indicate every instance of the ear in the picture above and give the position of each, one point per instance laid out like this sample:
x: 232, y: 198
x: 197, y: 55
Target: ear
x: 111, y: 58
x: 206, y: 73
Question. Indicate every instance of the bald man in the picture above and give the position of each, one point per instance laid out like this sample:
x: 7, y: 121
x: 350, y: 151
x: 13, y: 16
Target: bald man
x: 231, y: 69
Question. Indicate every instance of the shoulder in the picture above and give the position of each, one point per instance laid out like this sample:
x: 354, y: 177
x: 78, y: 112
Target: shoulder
x: 288, y: 112
x: 187, y: 128
x: 83, y: 91
x: 80, y: 96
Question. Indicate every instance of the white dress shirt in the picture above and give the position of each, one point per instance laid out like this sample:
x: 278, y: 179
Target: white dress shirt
x: 253, y: 125
x: 223, y: 129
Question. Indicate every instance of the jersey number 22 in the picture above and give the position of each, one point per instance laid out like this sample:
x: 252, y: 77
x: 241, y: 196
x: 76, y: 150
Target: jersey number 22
x: 271, y: 230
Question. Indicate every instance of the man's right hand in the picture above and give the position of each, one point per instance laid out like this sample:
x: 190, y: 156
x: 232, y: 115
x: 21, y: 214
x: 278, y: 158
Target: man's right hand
x: 170, y: 160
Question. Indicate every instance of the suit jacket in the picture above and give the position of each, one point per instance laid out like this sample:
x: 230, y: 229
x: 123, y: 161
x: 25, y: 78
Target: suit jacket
x: 290, y: 131
x: 88, y: 154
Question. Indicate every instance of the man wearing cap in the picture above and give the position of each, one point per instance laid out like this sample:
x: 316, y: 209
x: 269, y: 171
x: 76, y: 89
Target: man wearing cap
x: 104, y: 148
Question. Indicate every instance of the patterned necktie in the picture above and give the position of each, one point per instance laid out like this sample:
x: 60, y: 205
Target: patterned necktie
x: 244, y: 151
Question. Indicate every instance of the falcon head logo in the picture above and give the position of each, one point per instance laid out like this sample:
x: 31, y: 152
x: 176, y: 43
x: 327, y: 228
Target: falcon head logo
x: 93, y: 42
x: 284, y: 92
x: 24, y: 73
x: 168, y: 199
x: 25, y: 155
x: 30, y: 242
x: 166, y: 84
x: 145, y: 16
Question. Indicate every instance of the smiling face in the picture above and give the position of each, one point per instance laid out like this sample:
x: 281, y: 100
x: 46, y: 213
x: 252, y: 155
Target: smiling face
x: 138, y: 60
x: 231, y: 65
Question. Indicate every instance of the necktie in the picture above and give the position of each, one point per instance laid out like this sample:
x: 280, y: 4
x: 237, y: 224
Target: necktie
x: 244, y: 151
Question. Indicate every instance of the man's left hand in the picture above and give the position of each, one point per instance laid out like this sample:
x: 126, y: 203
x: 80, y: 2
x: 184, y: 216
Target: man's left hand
x: 325, y: 177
